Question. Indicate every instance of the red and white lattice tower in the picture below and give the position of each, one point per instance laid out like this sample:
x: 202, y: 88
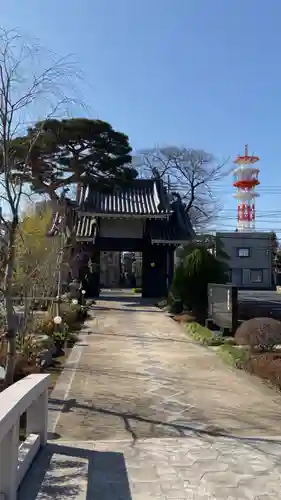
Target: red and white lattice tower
x: 245, y: 181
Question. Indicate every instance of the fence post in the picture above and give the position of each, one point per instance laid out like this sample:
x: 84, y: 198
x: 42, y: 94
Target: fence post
x: 235, y: 306
x: 210, y: 300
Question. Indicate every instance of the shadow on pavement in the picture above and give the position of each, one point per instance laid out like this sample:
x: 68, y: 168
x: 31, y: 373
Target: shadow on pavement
x: 183, y: 429
x: 148, y: 337
x: 64, y: 472
x: 128, y: 309
x: 127, y: 299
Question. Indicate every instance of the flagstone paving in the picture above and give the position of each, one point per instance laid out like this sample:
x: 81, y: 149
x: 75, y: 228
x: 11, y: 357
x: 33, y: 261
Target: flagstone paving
x: 142, y: 412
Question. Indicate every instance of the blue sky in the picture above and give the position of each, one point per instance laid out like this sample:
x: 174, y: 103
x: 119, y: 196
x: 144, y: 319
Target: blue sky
x: 197, y: 73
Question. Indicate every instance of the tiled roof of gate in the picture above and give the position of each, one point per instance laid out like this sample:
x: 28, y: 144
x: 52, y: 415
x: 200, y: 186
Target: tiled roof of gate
x: 176, y: 230
x: 145, y: 197
x: 84, y: 226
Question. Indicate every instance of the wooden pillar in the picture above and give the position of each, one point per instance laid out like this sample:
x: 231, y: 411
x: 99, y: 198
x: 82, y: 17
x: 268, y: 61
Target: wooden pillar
x: 170, y: 264
x: 94, y: 275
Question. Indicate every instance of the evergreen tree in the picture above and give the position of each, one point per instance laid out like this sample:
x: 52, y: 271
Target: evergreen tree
x: 71, y: 151
x: 198, y: 268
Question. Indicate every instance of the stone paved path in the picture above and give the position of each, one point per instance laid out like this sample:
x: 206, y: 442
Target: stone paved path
x: 142, y: 412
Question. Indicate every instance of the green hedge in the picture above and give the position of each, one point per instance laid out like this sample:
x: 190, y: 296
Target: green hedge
x: 233, y: 355
x: 226, y: 348
x: 205, y: 336
x: 202, y: 334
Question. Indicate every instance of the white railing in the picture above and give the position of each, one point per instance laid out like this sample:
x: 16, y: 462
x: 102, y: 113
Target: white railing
x: 29, y: 395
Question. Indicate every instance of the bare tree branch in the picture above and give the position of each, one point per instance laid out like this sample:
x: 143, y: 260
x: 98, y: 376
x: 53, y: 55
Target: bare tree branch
x: 188, y: 172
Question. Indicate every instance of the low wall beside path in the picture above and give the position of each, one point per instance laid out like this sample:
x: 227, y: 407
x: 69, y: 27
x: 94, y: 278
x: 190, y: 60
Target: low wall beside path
x: 30, y: 396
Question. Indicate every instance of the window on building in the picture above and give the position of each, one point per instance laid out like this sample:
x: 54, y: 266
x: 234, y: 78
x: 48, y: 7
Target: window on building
x: 243, y: 252
x: 256, y: 275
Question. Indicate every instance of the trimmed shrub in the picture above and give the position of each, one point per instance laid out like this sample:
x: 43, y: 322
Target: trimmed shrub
x: 259, y: 332
x: 266, y: 366
x: 70, y: 314
x: 43, y: 325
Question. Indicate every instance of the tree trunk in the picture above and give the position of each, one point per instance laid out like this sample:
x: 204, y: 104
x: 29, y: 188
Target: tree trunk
x: 10, y: 315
